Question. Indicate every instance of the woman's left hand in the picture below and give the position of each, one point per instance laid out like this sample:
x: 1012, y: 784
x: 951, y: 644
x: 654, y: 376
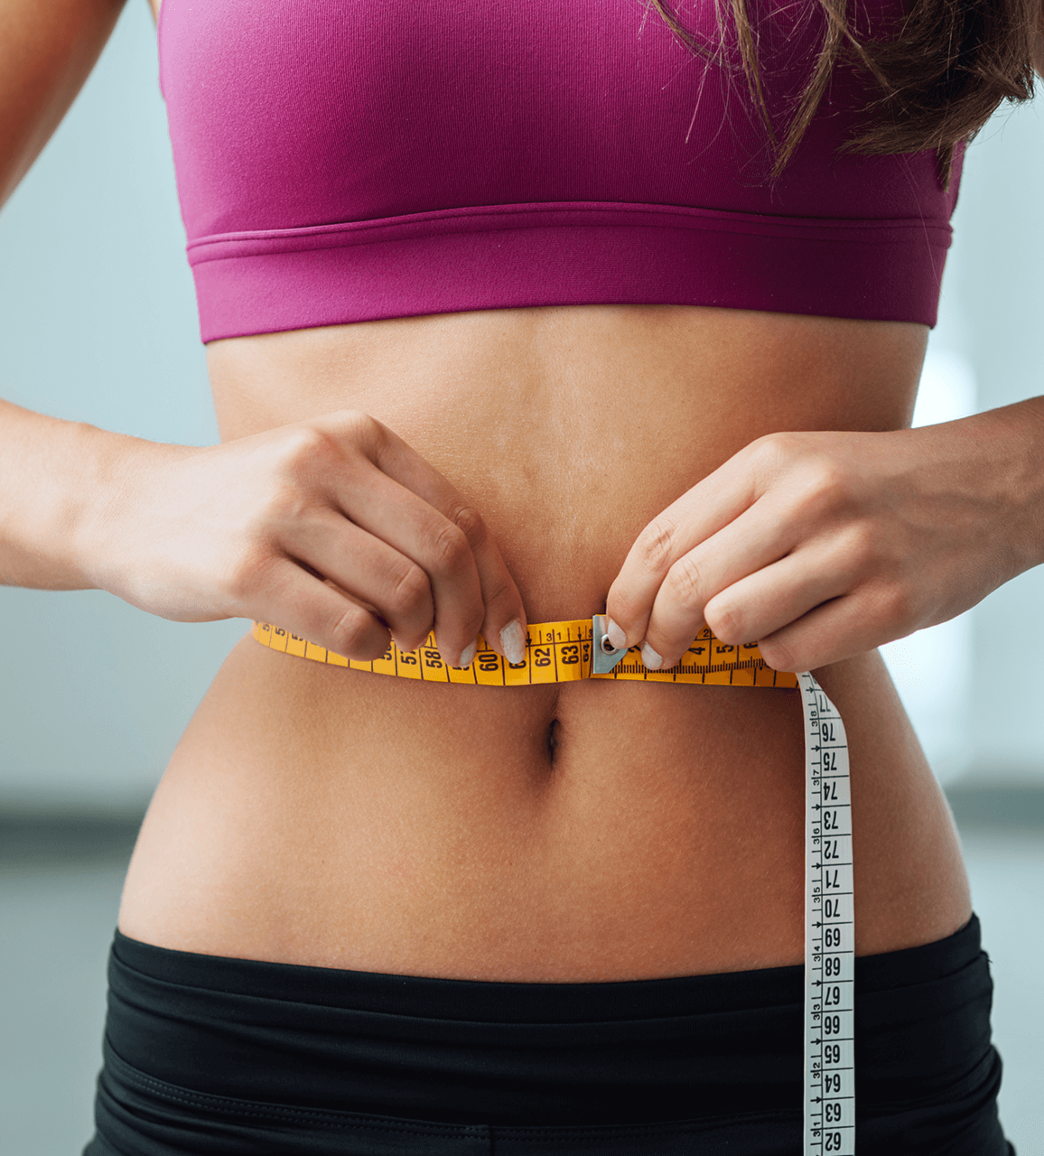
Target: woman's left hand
x: 822, y: 545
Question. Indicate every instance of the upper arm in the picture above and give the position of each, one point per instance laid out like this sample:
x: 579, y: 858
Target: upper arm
x: 47, y: 49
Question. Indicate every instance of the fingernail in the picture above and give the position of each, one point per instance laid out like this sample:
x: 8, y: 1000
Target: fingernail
x: 513, y: 640
x: 651, y: 659
x: 616, y: 635
x: 467, y: 655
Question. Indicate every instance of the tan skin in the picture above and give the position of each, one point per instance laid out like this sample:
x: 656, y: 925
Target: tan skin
x: 329, y: 817
x: 325, y: 816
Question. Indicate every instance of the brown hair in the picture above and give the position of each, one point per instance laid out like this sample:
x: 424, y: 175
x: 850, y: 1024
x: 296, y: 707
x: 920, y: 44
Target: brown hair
x: 939, y: 78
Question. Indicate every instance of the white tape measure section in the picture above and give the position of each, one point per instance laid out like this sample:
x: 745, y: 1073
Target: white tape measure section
x: 829, y: 931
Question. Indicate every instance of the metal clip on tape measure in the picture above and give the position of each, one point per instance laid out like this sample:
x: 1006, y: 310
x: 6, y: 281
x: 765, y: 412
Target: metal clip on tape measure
x: 568, y: 651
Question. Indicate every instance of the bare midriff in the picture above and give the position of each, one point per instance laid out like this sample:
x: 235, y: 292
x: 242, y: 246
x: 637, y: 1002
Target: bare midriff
x: 585, y: 831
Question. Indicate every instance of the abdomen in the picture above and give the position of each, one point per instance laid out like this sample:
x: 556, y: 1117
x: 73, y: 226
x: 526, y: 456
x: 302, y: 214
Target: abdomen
x: 586, y: 831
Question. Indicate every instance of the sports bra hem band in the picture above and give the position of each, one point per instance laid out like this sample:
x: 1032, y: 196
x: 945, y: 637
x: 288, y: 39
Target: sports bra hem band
x: 493, y: 218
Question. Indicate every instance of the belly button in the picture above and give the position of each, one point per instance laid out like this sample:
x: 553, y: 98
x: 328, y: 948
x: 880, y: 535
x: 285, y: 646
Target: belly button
x: 552, y: 738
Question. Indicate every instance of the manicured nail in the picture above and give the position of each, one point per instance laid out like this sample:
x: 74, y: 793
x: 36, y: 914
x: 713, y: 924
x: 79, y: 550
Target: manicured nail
x: 467, y: 655
x: 616, y: 635
x: 513, y: 640
x: 651, y: 659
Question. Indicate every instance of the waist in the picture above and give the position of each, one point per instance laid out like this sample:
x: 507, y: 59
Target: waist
x: 320, y: 815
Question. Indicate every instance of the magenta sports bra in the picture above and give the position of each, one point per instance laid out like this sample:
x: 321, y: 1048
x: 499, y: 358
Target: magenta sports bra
x: 350, y: 160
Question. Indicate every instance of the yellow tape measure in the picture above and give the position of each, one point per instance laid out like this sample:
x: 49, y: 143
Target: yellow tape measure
x: 555, y: 652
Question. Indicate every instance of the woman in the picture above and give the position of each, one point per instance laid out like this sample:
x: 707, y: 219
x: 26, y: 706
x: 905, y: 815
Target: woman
x: 514, y: 315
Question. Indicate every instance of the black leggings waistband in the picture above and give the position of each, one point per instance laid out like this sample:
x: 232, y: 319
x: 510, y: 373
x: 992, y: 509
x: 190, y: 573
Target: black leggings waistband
x: 522, y: 1056
x: 554, y: 1003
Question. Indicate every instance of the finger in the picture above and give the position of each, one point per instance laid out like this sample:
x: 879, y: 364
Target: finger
x: 834, y: 631
x: 499, y: 597
x: 313, y: 610
x: 763, y: 603
x: 702, y: 511
x: 759, y: 537
x: 411, y: 526
x: 505, y: 621
x: 370, y: 571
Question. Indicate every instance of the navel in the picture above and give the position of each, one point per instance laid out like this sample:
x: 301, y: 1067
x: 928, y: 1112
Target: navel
x: 551, y: 738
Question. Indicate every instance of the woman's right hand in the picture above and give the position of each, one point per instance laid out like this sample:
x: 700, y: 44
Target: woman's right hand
x: 333, y: 528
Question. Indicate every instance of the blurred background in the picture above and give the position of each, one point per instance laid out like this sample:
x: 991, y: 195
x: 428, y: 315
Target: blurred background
x: 98, y: 323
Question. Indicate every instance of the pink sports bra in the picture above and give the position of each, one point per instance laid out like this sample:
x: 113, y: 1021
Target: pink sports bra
x: 350, y: 160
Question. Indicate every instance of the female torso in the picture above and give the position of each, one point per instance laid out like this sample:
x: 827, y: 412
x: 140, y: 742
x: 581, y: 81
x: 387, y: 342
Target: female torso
x: 330, y: 817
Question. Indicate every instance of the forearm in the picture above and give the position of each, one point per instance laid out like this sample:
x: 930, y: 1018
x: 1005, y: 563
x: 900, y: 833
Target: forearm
x: 1006, y: 448
x: 59, y: 484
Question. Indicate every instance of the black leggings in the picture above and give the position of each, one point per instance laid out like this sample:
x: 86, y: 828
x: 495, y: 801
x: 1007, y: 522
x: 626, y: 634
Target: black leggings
x: 207, y: 1055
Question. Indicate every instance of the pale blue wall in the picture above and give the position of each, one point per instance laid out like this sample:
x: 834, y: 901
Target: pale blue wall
x: 97, y: 322
x: 994, y: 306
